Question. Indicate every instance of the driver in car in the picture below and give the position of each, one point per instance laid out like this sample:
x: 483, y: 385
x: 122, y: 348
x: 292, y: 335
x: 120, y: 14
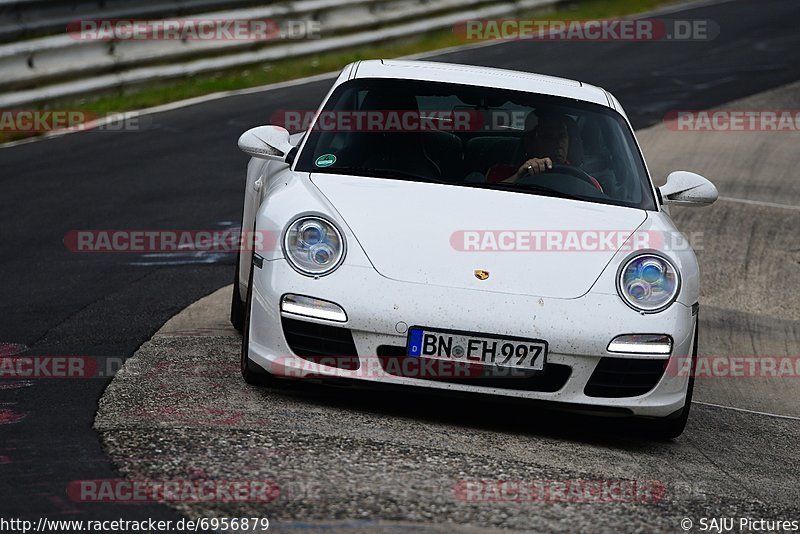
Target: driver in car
x: 543, y: 146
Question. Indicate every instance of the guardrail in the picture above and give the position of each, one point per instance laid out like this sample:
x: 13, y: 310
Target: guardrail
x: 61, y: 66
x: 23, y: 19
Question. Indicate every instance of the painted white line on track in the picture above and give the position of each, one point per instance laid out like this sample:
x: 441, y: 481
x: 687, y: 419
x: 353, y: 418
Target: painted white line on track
x: 760, y: 203
x: 791, y: 417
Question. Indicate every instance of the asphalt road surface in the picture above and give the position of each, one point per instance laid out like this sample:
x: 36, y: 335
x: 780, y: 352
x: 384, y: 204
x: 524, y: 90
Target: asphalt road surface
x: 184, y: 172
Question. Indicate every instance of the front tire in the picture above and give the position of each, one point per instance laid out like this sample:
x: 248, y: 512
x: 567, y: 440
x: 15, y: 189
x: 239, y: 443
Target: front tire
x: 237, y: 304
x: 671, y: 427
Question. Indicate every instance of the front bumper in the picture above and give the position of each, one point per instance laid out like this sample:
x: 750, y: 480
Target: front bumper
x: 379, y: 310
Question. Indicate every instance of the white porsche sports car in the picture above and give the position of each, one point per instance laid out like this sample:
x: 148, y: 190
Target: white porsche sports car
x: 469, y: 229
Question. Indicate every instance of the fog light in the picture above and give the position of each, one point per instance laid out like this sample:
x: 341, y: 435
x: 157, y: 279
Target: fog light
x: 311, y: 307
x: 641, y: 344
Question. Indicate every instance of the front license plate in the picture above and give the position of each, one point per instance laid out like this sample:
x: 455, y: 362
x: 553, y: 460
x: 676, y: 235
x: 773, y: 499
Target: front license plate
x: 477, y: 348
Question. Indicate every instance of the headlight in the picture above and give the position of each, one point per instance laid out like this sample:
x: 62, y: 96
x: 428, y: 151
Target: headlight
x: 648, y: 283
x: 313, y: 246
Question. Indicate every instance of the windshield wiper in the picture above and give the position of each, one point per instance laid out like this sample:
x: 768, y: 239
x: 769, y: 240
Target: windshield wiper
x: 526, y: 188
x: 381, y: 173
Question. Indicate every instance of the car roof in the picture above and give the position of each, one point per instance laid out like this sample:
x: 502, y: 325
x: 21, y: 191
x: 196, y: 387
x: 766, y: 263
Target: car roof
x: 480, y: 76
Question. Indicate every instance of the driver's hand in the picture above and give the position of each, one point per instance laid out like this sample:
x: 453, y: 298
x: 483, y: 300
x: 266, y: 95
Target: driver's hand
x: 535, y: 166
x: 532, y: 166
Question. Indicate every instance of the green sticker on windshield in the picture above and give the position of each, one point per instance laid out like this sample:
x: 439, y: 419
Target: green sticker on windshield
x: 325, y: 160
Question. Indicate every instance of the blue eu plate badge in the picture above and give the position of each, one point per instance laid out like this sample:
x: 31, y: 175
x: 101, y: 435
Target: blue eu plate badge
x: 415, y: 342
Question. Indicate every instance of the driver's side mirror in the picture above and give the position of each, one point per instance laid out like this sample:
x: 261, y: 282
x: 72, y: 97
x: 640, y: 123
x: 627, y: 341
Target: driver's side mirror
x: 685, y: 188
x: 266, y: 142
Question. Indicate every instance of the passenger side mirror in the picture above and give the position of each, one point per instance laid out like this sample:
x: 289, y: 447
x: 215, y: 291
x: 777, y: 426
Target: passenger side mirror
x: 266, y: 142
x: 685, y: 188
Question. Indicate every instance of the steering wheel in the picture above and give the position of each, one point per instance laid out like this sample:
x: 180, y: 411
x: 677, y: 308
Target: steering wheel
x: 578, y: 173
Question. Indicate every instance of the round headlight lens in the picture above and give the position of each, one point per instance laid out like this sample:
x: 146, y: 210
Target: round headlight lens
x: 313, y: 245
x: 648, y: 283
x: 311, y: 232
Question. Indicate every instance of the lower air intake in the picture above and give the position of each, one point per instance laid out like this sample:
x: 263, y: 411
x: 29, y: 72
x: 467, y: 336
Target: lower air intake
x: 322, y: 344
x: 624, y: 377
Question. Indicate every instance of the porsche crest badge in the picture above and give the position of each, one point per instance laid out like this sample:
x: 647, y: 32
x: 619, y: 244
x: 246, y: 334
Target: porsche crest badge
x: 480, y: 274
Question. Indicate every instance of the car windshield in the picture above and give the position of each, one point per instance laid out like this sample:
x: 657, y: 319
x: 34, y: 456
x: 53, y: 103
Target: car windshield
x: 481, y: 137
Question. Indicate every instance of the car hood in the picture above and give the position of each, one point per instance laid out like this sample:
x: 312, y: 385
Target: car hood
x: 443, y: 235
